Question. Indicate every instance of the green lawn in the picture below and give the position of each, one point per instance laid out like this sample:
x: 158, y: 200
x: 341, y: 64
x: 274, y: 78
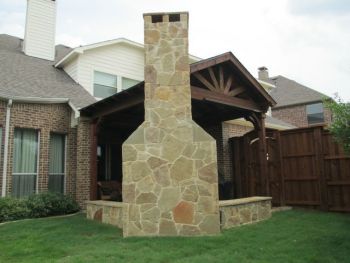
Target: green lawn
x: 292, y: 236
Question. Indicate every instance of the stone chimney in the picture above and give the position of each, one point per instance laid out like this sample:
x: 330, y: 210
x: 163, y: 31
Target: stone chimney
x: 40, y: 29
x: 263, y: 73
x: 170, y: 182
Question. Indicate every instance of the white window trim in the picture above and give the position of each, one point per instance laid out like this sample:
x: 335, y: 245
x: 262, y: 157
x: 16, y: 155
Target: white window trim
x: 37, y: 164
x: 117, y: 74
x: 65, y: 165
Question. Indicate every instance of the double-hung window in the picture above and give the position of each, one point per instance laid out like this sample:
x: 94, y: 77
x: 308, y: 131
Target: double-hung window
x: 25, y: 162
x: 127, y: 83
x: 105, y: 84
x: 57, y: 163
x: 315, y: 113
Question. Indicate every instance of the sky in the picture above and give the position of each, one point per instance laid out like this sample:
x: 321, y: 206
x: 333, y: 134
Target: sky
x: 305, y: 40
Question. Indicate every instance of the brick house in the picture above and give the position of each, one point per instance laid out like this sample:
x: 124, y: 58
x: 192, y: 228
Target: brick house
x: 297, y: 104
x: 47, y: 144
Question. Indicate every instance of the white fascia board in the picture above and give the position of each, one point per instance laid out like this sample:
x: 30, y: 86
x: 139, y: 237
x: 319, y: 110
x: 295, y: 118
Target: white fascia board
x: 35, y: 99
x: 75, y: 109
x: 266, y: 83
x: 81, y: 49
x: 71, y: 55
x: 43, y: 101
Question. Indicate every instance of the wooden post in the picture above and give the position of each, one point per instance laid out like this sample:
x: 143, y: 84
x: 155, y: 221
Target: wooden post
x: 262, y: 155
x: 280, y: 167
x: 247, y: 174
x: 320, y: 168
x: 93, y: 161
x: 236, y: 173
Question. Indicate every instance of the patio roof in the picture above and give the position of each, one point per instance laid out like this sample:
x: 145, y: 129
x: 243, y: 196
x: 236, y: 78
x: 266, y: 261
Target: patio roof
x: 222, y: 89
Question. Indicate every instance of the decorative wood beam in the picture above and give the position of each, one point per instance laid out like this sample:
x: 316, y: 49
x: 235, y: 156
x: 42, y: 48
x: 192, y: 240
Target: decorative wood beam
x: 213, y: 78
x: 203, y: 94
x: 221, y: 78
x: 204, y: 81
x: 236, y: 91
x: 228, y: 85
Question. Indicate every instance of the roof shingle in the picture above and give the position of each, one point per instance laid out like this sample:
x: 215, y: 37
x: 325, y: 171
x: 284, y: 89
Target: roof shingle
x: 25, y: 76
x: 289, y: 92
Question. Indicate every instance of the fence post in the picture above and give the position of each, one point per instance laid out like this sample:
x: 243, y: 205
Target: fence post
x: 320, y: 167
x: 279, y: 147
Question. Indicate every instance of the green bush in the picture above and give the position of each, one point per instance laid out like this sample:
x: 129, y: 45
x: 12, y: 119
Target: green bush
x: 37, y: 205
x: 13, y: 209
x: 50, y: 204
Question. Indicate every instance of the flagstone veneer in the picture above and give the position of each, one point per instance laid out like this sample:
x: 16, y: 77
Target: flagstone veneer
x: 170, y: 182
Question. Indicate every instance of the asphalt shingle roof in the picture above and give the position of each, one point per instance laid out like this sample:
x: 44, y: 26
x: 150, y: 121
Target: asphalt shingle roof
x: 25, y: 76
x: 289, y: 92
x: 273, y: 121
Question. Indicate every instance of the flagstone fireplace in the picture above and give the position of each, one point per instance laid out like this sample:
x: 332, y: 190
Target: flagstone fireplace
x: 170, y: 181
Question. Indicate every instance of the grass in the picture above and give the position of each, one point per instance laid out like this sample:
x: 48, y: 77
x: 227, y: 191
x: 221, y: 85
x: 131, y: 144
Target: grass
x: 292, y: 236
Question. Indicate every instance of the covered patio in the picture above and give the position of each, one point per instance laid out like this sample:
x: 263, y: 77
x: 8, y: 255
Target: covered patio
x: 221, y: 89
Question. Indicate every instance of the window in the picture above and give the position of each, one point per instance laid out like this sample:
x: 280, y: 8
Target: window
x: 315, y: 113
x: 57, y: 163
x: 105, y: 84
x: 127, y: 83
x: 25, y: 162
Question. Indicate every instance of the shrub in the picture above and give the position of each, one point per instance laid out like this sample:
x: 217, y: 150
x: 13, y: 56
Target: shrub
x: 340, y: 126
x: 37, y: 205
x: 50, y: 204
x: 13, y: 209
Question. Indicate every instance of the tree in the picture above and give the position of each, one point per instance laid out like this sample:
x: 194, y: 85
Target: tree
x: 340, y: 126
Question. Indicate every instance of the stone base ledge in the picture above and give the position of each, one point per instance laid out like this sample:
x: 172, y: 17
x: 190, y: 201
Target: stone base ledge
x: 105, y: 203
x: 233, y: 212
x: 107, y: 212
x: 244, y: 211
x: 246, y: 200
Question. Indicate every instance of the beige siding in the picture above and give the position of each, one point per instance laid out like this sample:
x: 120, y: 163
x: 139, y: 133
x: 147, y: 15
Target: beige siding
x: 72, y: 69
x: 120, y: 59
x: 39, y: 40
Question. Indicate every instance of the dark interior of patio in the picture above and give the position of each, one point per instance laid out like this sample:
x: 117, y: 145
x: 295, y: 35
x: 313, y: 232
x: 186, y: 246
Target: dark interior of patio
x: 221, y: 90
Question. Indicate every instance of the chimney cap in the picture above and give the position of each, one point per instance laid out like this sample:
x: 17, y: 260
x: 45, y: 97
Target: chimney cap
x: 263, y: 68
x: 166, y: 17
x: 165, y: 13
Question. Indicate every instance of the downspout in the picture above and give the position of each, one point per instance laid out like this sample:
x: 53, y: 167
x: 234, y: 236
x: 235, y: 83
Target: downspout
x: 6, y: 147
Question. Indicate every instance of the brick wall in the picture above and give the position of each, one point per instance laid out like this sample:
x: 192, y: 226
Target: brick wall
x: 45, y: 118
x: 297, y: 116
x: 2, y: 126
x: 230, y: 130
x: 83, y: 152
x: 222, y: 133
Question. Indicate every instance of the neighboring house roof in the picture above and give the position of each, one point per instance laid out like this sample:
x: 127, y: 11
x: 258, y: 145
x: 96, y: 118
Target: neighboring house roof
x: 80, y: 50
x: 289, y: 92
x: 24, y: 76
x: 270, y: 122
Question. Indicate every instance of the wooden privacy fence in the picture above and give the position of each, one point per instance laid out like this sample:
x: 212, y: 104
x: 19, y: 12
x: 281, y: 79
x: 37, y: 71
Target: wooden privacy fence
x: 306, y: 167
